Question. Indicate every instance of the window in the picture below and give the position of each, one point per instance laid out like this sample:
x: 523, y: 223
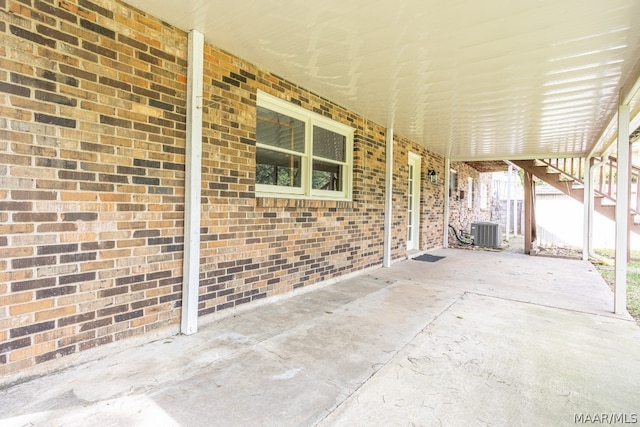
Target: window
x: 484, y: 196
x: 469, y: 193
x: 453, y: 183
x: 300, y: 153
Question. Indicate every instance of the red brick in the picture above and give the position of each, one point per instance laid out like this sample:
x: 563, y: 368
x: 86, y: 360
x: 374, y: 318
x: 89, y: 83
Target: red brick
x: 106, y: 178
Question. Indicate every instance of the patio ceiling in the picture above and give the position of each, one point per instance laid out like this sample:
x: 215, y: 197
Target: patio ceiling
x: 472, y: 80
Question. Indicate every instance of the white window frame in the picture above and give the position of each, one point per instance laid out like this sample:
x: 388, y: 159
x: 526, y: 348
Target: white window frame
x: 469, y: 193
x: 310, y: 119
x: 413, y: 238
x: 453, y: 182
x: 484, y: 196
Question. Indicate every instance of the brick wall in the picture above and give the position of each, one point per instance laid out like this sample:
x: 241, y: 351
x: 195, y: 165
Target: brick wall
x: 499, y: 214
x: 431, y: 198
x: 432, y: 220
x: 92, y: 177
x: 254, y: 247
x: 460, y: 215
x: 92, y: 146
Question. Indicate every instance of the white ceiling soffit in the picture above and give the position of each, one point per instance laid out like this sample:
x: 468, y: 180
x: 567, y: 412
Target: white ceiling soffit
x: 469, y: 79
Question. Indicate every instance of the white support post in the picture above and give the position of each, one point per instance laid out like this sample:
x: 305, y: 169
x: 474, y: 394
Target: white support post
x: 587, y: 202
x: 193, y: 180
x: 622, y: 211
x: 508, y: 224
x: 388, y: 200
x: 593, y: 168
x: 515, y: 207
x: 447, y: 185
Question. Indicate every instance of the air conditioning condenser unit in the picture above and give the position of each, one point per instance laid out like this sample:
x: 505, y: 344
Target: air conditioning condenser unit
x: 486, y: 234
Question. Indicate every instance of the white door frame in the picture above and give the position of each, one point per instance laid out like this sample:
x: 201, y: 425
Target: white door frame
x: 413, y: 198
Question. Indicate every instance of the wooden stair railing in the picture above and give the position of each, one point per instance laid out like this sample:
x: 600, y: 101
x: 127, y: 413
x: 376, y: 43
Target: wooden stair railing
x: 567, y: 175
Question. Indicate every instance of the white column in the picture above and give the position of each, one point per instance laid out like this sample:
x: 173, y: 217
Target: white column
x: 587, y: 202
x: 622, y: 211
x: 508, y: 224
x: 593, y: 170
x: 447, y: 184
x: 191, y: 262
x: 388, y: 200
x: 515, y: 206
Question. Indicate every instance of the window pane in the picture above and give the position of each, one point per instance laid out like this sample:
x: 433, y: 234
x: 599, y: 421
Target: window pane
x: 453, y: 183
x: 273, y: 168
x: 279, y: 130
x: 326, y: 176
x: 328, y: 144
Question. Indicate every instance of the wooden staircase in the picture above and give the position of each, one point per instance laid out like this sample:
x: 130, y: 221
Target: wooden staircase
x: 567, y: 175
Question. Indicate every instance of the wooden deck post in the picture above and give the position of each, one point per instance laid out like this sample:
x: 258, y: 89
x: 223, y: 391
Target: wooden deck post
x: 529, y: 213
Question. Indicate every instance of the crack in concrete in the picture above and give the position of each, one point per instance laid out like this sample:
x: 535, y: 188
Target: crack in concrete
x: 570, y: 310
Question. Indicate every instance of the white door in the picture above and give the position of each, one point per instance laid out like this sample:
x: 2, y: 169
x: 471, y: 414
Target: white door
x: 413, y: 193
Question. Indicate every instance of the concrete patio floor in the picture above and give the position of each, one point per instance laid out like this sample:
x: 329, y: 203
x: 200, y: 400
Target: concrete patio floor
x: 476, y: 338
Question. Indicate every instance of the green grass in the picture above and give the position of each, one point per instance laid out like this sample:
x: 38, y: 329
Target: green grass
x: 634, y: 262
x: 633, y: 279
